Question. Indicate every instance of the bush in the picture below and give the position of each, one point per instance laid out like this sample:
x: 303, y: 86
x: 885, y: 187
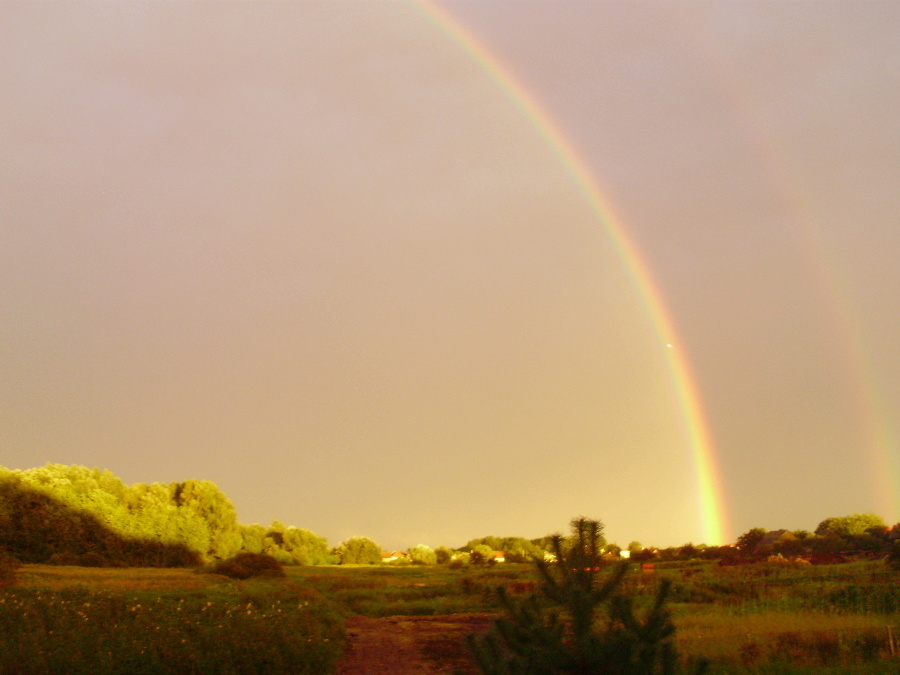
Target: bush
x: 246, y: 565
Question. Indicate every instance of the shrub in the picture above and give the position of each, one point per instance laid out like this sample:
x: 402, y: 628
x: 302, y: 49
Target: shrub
x: 246, y: 565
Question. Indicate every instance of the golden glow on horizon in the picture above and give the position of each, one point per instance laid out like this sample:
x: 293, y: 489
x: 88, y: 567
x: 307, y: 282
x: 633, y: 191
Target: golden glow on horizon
x: 709, y: 483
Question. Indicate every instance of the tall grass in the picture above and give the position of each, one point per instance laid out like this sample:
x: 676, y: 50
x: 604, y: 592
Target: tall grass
x: 97, y: 632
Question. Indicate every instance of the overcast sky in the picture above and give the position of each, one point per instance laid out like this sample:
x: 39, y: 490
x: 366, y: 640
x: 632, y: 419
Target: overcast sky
x: 313, y: 252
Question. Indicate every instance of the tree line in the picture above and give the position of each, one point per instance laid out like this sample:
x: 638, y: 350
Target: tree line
x: 63, y: 514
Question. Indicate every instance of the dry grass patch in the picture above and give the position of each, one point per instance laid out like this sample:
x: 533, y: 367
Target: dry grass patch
x: 765, y: 636
x: 60, y: 578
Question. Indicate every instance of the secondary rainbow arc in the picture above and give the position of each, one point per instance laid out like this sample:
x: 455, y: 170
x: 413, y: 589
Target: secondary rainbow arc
x: 709, y: 484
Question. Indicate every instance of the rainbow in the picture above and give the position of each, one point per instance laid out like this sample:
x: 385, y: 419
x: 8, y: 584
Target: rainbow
x: 709, y: 484
x: 879, y: 445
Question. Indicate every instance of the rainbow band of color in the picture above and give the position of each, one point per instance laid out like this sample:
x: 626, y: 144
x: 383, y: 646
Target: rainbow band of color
x: 711, y: 502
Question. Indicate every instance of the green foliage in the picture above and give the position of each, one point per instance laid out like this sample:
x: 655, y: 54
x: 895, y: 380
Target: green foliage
x: 481, y: 555
x: 304, y: 547
x: 516, y: 549
x: 358, y: 551
x: 35, y: 526
x: 246, y: 565
x: 856, y: 524
x: 422, y: 555
x: 60, y: 514
x: 748, y: 541
x: 443, y: 555
x: 571, y: 636
x: 459, y: 560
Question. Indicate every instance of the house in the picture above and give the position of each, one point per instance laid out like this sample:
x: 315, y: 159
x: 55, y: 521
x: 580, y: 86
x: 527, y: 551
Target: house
x: 392, y: 556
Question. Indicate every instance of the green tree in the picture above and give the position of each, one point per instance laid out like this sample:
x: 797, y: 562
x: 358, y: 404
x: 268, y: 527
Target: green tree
x: 687, y: 551
x: 252, y: 537
x: 562, y: 632
x: 306, y: 548
x: 856, y: 524
x: 422, y: 555
x: 443, y: 555
x: 358, y: 551
x: 481, y: 555
x: 748, y: 541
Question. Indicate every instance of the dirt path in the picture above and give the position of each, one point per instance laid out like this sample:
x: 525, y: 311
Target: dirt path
x: 411, y: 645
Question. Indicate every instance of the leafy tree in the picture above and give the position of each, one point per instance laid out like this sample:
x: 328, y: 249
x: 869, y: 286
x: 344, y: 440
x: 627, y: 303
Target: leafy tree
x: 559, y: 632
x: 422, y: 555
x: 688, y: 551
x: 443, y: 555
x: 515, y: 549
x: 358, y: 551
x: 252, y: 537
x: 209, y: 518
x: 460, y: 560
x: 481, y: 555
x: 306, y: 548
x: 789, y: 545
x: 748, y: 541
x: 856, y: 524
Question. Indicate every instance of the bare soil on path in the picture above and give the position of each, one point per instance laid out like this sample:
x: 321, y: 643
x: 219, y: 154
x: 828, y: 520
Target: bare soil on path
x: 412, y: 645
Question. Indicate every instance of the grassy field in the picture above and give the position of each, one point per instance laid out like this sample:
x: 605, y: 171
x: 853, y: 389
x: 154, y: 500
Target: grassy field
x: 752, y: 619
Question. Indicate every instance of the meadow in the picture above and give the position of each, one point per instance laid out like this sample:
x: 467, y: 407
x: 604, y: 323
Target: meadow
x: 761, y: 619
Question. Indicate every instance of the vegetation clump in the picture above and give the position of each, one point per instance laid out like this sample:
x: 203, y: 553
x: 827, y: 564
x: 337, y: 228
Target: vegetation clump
x: 247, y: 565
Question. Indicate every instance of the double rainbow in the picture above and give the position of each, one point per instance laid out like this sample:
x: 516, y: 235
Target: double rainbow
x: 710, y: 499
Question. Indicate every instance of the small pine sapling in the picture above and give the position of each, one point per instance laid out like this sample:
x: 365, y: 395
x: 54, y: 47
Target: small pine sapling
x: 562, y: 629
